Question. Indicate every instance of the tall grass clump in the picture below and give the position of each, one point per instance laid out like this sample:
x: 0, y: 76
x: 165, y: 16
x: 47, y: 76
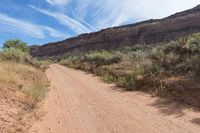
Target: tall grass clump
x: 36, y: 91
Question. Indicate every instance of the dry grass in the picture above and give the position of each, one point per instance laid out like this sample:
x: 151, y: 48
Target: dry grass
x: 29, y: 80
x: 16, y: 55
x: 21, y: 88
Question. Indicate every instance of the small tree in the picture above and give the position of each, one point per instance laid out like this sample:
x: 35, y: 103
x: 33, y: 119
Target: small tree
x: 16, y: 44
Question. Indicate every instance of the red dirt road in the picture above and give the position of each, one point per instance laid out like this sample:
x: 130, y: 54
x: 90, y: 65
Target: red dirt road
x: 82, y: 103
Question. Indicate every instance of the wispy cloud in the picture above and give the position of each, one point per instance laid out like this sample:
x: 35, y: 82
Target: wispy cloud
x: 67, y: 21
x: 27, y: 28
x: 80, y: 16
x: 54, y: 33
x: 58, y: 2
x: 107, y: 13
x: 88, y: 16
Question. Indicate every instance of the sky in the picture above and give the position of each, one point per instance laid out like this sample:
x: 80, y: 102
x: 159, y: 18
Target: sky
x: 42, y: 21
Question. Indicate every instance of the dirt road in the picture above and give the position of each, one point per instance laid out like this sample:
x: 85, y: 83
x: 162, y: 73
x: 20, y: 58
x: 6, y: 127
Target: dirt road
x: 82, y: 103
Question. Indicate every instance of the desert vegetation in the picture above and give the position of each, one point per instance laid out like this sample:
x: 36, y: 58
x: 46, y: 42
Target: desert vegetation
x: 169, y: 70
x: 18, y: 51
x: 22, y: 86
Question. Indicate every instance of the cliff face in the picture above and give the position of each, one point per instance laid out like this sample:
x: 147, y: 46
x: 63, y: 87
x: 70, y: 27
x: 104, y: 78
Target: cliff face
x: 147, y: 32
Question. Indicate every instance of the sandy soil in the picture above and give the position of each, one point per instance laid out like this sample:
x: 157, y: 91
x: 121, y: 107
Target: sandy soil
x: 82, y: 103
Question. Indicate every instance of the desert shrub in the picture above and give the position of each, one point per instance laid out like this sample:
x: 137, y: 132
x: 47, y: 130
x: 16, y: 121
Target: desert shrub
x: 171, y: 58
x: 15, y: 55
x: 173, y: 46
x: 169, y: 62
x: 16, y: 44
x: 157, y: 53
x: 101, y: 58
x: 132, y: 71
x: 194, y: 47
x: 108, y: 77
x: 194, y: 42
x: 127, y: 81
x: 164, y: 56
x: 133, y: 48
x: 39, y: 64
x: 140, y: 55
x: 194, y: 64
x: 64, y: 62
x: 141, y: 70
x: 71, y: 61
x: 133, y: 57
x: 18, y: 56
x: 143, y: 67
x: 138, y: 61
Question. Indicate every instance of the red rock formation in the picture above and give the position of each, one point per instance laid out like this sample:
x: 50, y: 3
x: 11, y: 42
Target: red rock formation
x: 147, y: 32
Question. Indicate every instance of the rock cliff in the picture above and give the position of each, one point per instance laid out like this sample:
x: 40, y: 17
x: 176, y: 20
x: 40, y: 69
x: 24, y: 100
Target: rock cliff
x: 147, y: 32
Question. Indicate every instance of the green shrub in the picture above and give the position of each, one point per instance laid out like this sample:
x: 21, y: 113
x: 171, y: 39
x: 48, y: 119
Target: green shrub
x: 134, y: 48
x: 108, y: 77
x: 40, y: 64
x: 16, y: 44
x: 171, y: 58
x: 194, y: 42
x: 127, y: 81
x: 71, y: 61
x: 157, y: 53
x: 194, y: 64
x: 14, y: 55
x: 143, y: 67
x: 102, y: 58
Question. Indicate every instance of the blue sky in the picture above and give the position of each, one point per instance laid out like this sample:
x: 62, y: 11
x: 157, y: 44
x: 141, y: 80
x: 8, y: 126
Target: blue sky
x: 42, y: 21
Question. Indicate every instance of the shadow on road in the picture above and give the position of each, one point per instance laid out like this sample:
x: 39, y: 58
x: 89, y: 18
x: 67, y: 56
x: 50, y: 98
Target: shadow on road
x: 168, y: 107
x: 196, y: 121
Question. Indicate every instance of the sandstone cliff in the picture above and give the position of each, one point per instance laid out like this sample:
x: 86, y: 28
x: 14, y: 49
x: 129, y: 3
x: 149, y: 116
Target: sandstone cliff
x: 147, y: 32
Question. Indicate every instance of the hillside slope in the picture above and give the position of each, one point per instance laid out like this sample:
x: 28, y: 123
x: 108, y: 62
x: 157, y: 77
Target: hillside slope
x: 151, y: 31
x: 21, y: 88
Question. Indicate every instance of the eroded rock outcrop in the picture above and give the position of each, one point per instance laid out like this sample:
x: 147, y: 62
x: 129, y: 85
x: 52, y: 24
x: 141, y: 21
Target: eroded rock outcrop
x: 147, y: 32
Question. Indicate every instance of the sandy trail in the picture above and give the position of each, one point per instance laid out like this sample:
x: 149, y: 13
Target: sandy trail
x: 82, y: 103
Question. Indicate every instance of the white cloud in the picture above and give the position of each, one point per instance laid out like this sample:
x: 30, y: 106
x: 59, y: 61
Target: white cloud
x: 18, y: 26
x: 67, y: 21
x: 107, y: 13
x: 58, y: 2
x: 90, y: 15
x: 25, y: 27
x: 55, y: 33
